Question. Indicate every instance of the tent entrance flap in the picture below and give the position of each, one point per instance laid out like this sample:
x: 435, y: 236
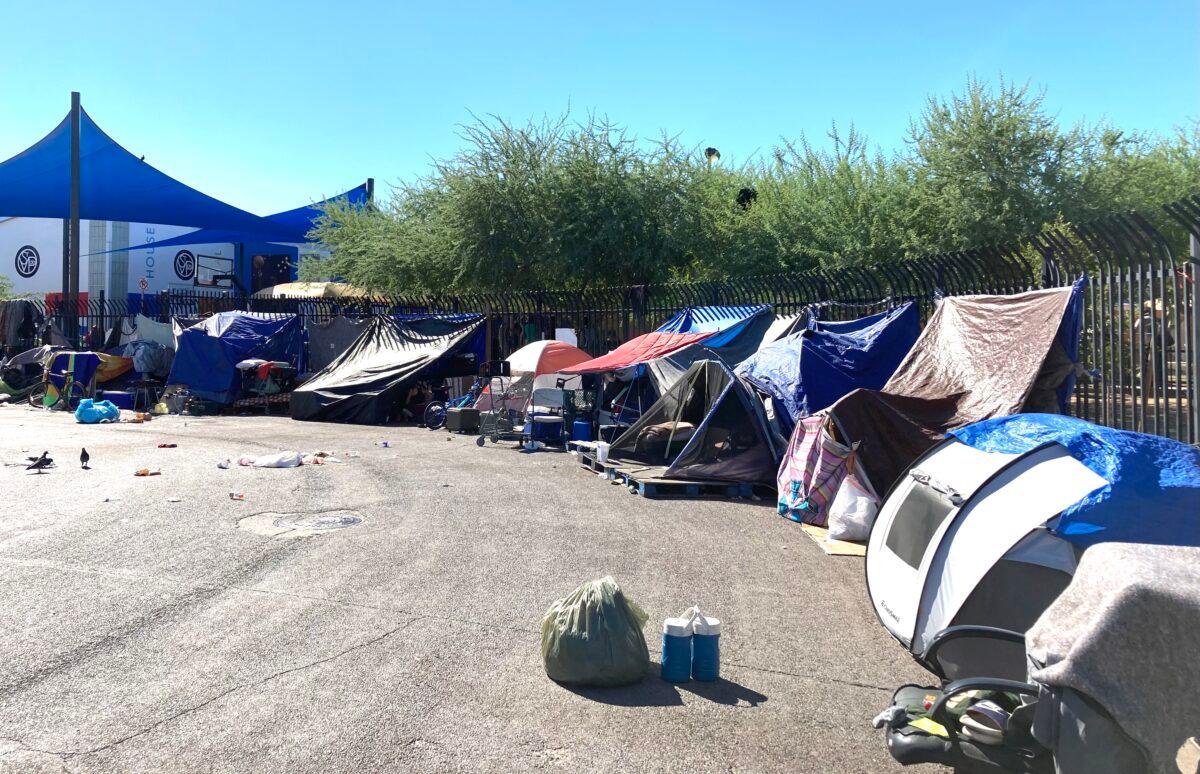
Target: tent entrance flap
x: 707, y: 426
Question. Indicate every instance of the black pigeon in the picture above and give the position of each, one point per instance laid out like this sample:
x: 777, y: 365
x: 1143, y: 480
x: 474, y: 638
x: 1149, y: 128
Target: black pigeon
x: 83, y: 459
x: 41, y: 463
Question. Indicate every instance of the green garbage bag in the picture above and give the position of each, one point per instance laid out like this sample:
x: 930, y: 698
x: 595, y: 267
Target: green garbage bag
x: 593, y: 636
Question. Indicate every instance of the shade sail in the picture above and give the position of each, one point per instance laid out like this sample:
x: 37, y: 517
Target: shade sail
x: 114, y: 185
x: 290, y: 227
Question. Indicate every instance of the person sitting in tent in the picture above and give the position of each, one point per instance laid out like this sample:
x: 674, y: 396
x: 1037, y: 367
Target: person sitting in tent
x: 417, y: 399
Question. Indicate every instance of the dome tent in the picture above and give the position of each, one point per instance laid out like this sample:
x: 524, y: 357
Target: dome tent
x: 708, y: 426
x: 985, y: 530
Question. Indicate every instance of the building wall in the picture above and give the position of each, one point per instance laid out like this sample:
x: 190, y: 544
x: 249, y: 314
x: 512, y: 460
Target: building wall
x: 33, y: 247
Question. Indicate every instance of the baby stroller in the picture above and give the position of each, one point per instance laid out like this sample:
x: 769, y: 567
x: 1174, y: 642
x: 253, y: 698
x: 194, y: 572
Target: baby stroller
x: 1110, y: 675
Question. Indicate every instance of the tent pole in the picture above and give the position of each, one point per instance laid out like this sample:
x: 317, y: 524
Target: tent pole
x: 72, y: 301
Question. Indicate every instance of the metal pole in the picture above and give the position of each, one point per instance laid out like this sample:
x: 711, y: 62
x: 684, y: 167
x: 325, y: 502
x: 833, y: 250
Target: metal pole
x: 73, y: 248
x: 1194, y: 376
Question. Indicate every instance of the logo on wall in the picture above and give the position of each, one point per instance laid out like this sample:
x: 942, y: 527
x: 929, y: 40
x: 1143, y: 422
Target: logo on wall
x: 185, y: 265
x: 28, y: 261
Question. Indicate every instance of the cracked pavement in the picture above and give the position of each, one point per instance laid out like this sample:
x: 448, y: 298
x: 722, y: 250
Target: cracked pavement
x: 140, y: 634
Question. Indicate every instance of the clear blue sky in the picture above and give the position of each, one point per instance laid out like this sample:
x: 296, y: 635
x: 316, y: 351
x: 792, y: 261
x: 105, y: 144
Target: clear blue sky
x: 269, y: 105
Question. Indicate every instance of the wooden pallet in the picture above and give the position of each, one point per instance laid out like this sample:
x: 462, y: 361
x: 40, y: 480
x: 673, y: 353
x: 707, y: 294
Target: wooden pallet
x: 667, y: 488
x: 589, y: 461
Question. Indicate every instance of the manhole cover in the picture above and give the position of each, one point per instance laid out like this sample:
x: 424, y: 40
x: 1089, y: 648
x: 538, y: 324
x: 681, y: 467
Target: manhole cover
x: 319, y: 521
x: 299, y: 524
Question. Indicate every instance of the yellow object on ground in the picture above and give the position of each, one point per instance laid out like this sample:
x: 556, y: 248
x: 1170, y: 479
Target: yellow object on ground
x: 820, y: 536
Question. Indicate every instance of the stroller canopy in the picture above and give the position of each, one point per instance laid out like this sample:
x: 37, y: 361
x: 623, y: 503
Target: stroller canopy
x: 708, y: 425
x: 808, y: 371
x: 979, y: 357
x: 208, y: 352
x: 984, y: 530
x: 367, y: 383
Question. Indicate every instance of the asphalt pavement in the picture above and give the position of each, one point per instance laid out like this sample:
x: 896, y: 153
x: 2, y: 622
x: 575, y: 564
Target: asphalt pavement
x: 156, y: 624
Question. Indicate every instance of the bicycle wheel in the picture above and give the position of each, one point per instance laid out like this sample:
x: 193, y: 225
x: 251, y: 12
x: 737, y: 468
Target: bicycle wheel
x: 435, y: 416
x: 38, y: 399
x: 70, y: 396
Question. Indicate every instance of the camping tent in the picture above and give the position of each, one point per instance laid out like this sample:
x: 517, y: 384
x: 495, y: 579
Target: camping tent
x: 715, y: 326
x: 734, y: 347
x: 208, y: 352
x: 367, y: 383
x: 708, y: 425
x: 978, y: 357
x: 533, y: 366
x: 984, y: 530
x: 809, y: 370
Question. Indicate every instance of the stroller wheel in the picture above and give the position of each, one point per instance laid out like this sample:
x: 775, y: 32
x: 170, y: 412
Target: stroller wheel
x: 479, y: 441
x: 494, y: 439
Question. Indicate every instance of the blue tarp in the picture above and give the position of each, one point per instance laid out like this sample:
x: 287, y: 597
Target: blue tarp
x: 709, y: 319
x: 1153, y: 491
x: 114, y: 185
x: 811, y: 369
x: 290, y: 227
x: 207, y: 353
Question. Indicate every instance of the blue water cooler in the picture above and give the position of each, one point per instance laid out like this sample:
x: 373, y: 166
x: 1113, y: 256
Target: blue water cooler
x: 677, y: 650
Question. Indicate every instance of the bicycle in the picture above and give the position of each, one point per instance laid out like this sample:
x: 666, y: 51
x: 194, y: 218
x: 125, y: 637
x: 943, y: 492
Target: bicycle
x: 435, y: 412
x: 50, y: 396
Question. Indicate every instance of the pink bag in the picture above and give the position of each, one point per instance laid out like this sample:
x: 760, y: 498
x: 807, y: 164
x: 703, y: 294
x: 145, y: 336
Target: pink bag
x: 811, y: 472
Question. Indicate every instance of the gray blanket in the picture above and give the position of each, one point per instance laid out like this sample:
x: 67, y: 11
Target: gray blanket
x: 1126, y: 634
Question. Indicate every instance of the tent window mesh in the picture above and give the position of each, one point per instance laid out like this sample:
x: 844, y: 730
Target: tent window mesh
x: 919, y: 517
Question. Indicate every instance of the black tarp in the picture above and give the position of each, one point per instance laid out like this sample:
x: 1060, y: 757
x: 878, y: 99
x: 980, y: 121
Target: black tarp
x: 327, y: 340
x: 368, y: 382
x: 708, y: 425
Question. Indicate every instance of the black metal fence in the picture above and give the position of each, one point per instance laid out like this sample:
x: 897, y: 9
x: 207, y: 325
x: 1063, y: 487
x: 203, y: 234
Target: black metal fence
x: 1139, y: 345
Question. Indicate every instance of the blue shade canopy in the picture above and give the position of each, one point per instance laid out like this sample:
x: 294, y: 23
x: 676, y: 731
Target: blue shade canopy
x: 709, y: 319
x: 113, y: 185
x: 290, y: 227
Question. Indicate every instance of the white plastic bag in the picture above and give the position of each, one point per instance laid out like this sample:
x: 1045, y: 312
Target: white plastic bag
x: 284, y: 459
x: 852, y: 511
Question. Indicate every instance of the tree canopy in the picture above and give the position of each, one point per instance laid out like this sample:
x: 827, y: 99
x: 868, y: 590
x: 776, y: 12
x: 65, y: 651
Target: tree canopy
x: 563, y: 204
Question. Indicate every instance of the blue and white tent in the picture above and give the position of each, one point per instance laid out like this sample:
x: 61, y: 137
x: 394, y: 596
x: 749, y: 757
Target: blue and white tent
x: 986, y: 528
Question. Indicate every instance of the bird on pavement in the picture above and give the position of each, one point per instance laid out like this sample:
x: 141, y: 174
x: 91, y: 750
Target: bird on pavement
x: 41, y: 463
x: 83, y: 459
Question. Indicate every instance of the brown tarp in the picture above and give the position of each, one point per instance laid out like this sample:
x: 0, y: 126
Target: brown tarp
x: 978, y: 357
